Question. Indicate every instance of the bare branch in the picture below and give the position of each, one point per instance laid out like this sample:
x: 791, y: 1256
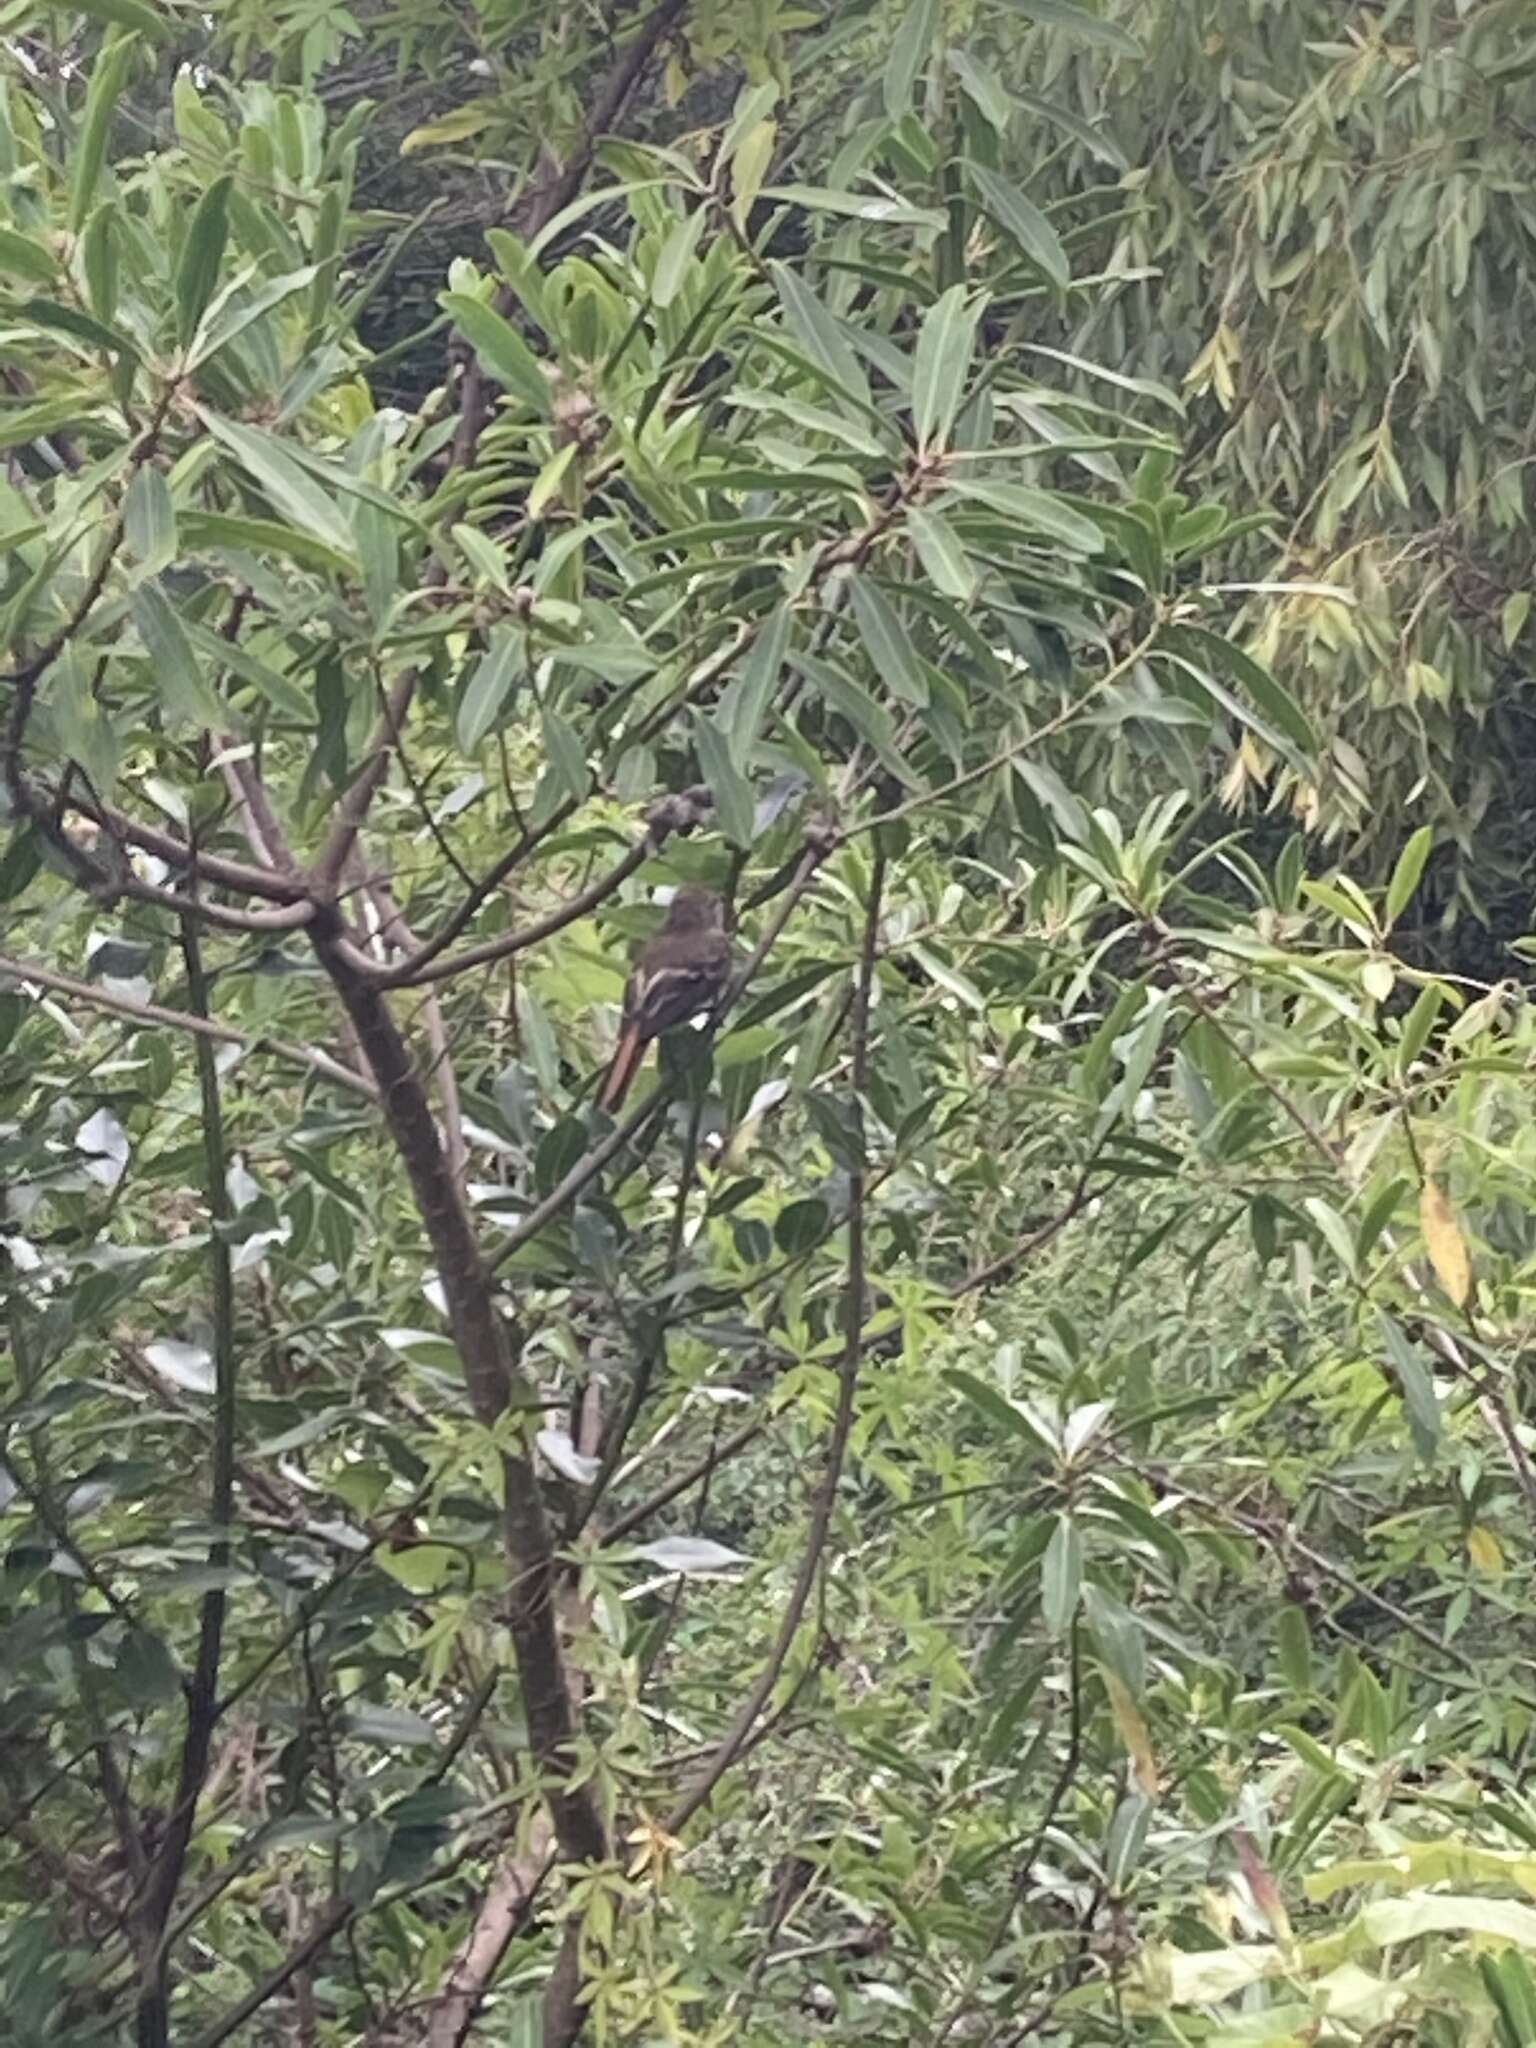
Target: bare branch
x: 501, y: 1916
x: 288, y: 917
x: 319, y: 1938
x: 209, y: 869
x: 183, y: 1020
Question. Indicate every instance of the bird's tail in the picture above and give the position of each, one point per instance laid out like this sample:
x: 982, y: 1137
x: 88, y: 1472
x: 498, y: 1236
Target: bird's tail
x: 626, y: 1060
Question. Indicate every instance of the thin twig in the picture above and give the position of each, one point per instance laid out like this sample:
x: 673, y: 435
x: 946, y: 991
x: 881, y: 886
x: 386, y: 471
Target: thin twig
x: 423, y: 964
x: 717, y: 1455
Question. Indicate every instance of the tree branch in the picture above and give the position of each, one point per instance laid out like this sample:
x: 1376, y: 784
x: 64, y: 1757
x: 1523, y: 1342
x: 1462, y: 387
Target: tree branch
x: 392, y: 921
x: 182, y: 1020
x: 325, y: 876
x: 501, y: 1916
x: 426, y: 965
x: 495, y: 1384
x: 213, y: 869
x: 202, y: 1697
x: 746, y: 1715
x: 676, y: 813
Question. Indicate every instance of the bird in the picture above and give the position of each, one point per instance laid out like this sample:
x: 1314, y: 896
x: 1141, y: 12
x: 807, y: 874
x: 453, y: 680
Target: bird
x: 678, y: 972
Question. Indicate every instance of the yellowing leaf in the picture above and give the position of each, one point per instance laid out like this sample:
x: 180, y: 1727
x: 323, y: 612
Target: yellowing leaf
x: 458, y: 126
x: 1483, y: 1549
x: 1132, y: 1730
x: 1444, y: 1242
x: 750, y: 167
x: 1378, y: 978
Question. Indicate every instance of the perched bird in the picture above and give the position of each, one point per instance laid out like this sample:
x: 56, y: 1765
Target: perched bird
x: 678, y: 973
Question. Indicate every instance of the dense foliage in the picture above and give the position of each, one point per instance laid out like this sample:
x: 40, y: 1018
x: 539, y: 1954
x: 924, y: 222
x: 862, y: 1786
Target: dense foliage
x: 987, y: 1500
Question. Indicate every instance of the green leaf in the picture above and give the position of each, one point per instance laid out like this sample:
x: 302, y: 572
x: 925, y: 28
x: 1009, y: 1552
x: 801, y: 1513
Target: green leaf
x: 486, y: 557
x: 20, y: 256
x: 739, y: 713
x: 1095, y: 140
x: 33, y: 422
x: 1416, y: 1384
x: 501, y: 349
x: 1023, y: 220
x: 590, y: 202
x: 677, y: 257
x: 215, y: 530
x: 95, y: 334
x: 289, y: 698
x: 238, y: 313
x: 202, y: 253
x: 85, y: 730
x: 566, y: 756
x: 1088, y: 28
x: 144, y: 1669
x: 546, y: 485
x: 109, y: 74
x: 287, y: 485
x: 870, y: 719
x: 870, y: 206
x: 1119, y: 1638
x: 1295, y: 1642
x: 1418, y: 1024
x: 942, y: 366
x: 149, y: 519
x: 749, y: 167
x: 1039, y: 511
x: 822, y: 339
x: 993, y: 1404
x: 1337, y: 1232
x: 1405, y: 875
x: 185, y: 696
x: 887, y: 643
x: 131, y: 14
x: 800, y: 1225
x: 949, y: 978
x: 1061, y: 1575
x: 910, y: 48
x: 754, y: 103
x: 392, y: 1727
x: 943, y: 558
x: 734, y: 805
x: 488, y: 688
x: 1276, y: 703
x: 1139, y: 387
x: 983, y: 87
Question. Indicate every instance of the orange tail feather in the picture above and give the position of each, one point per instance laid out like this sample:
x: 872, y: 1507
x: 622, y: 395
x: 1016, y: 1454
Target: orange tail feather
x: 626, y: 1061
